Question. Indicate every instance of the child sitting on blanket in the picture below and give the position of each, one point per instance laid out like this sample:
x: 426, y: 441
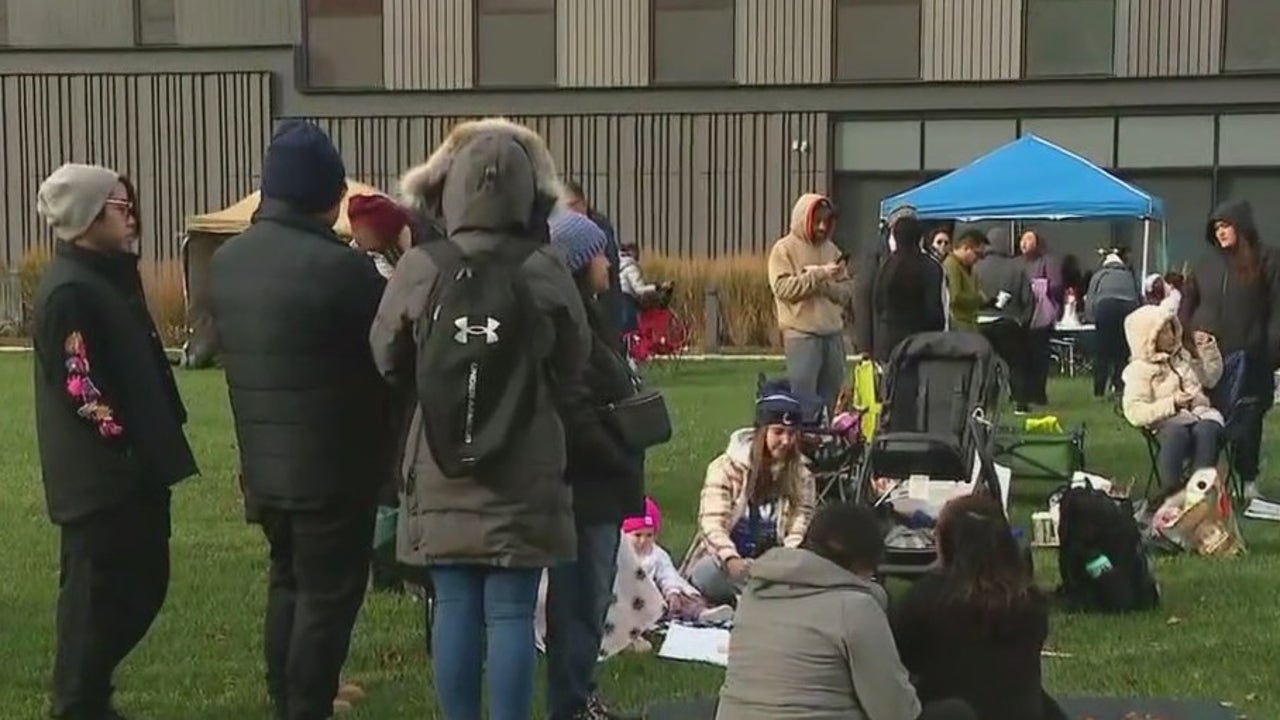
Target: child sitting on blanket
x: 683, y: 601
x: 655, y: 575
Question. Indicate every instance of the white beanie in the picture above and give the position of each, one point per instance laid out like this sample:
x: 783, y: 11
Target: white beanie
x: 71, y: 198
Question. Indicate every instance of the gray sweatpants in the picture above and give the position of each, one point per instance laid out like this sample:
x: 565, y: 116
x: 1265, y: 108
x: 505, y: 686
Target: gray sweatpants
x: 815, y: 364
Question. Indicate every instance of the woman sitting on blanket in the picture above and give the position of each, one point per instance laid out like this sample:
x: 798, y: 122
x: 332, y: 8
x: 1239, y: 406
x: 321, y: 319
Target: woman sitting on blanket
x: 811, y: 639
x: 756, y: 495
x: 975, y: 628
x: 1164, y: 386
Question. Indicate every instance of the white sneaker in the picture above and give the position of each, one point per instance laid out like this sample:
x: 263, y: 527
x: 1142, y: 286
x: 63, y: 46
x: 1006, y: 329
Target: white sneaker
x: 717, y: 614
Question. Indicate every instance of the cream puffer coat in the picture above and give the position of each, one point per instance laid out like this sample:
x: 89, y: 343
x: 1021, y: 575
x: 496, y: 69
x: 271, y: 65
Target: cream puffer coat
x: 1153, y: 377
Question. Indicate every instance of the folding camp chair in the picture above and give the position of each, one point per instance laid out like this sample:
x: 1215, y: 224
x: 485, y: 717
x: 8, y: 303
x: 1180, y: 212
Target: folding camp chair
x: 1153, y: 449
x: 834, y: 463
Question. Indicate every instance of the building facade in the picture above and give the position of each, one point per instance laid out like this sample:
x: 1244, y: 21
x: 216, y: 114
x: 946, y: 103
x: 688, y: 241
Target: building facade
x: 693, y: 123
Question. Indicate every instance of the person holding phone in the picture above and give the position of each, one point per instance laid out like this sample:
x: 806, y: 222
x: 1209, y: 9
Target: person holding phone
x: 810, y: 279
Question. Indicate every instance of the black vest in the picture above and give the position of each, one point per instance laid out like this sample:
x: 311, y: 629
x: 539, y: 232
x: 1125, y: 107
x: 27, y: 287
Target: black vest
x: 83, y: 473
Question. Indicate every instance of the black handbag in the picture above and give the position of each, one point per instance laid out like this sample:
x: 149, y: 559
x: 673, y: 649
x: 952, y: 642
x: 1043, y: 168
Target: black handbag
x: 640, y: 421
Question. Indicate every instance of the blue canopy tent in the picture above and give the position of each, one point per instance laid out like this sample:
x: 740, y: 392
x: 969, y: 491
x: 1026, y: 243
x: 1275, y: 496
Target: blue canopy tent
x: 1031, y: 179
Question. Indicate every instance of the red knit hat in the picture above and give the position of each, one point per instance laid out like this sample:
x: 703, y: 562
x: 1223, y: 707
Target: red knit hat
x: 379, y: 213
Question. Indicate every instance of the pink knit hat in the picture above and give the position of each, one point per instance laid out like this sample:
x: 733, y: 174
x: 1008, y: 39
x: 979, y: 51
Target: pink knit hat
x: 651, y: 520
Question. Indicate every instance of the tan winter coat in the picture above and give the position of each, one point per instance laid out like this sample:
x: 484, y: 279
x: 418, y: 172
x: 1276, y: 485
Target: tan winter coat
x: 806, y: 300
x: 723, y: 502
x: 1153, y: 378
x: 518, y: 514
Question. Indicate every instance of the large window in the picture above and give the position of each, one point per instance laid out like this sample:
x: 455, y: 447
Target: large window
x: 1251, y: 42
x: 1249, y: 140
x: 877, y: 40
x: 693, y: 42
x: 155, y: 22
x: 1184, y: 141
x: 952, y: 143
x: 1069, y: 37
x: 1093, y: 138
x: 878, y: 145
x: 515, y: 43
x: 344, y: 43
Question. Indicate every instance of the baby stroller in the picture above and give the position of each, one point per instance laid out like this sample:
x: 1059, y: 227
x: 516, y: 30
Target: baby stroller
x: 933, y: 440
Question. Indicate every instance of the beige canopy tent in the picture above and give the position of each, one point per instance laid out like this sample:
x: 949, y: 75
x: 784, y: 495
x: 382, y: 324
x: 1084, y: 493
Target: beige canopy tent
x: 204, y: 233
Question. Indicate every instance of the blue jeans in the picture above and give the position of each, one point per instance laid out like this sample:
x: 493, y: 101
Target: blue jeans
x: 578, y: 598
x: 484, y: 620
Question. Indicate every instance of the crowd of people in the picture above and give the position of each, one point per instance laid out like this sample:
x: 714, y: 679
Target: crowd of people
x: 458, y: 363
x: 917, y: 279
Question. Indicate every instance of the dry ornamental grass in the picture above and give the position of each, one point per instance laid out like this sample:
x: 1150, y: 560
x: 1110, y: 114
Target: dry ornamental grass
x: 162, y: 282
x: 742, y: 281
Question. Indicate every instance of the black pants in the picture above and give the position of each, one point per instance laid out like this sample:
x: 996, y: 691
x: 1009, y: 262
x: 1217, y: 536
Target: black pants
x: 1009, y: 340
x: 1037, y: 377
x: 1246, y: 428
x: 319, y: 569
x: 113, y: 580
x: 1111, y: 350
x: 1196, y: 442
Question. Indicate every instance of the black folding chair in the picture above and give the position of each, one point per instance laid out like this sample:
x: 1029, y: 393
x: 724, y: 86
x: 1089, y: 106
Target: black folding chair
x: 1236, y: 419
x: 1151, y: 442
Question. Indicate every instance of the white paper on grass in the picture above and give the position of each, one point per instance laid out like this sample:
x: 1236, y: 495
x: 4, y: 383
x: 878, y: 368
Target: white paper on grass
x: 708, y: 645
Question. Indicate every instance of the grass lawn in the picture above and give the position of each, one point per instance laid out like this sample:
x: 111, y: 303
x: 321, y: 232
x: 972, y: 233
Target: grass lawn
x: 1215, y: 637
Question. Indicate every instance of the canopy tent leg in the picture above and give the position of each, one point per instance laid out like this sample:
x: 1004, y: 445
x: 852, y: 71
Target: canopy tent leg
x: 1146, y: 245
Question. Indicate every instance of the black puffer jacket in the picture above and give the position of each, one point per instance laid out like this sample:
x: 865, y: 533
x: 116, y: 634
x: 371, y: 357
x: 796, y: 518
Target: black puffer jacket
x: 907, y: 299
x: 605, y: 475
x: 108, y: 415
x: 1242, y: 314
x: 292, y: 304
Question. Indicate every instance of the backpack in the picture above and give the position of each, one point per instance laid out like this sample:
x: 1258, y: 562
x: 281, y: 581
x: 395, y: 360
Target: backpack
x: 476, y: 382
x: 1093, y: 525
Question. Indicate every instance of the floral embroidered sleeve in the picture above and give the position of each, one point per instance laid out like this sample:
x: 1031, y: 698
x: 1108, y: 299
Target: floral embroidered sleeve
x: 68, y: 362
x: 80, y: 386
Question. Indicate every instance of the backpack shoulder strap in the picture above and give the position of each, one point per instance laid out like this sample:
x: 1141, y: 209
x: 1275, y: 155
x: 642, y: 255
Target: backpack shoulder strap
x: 448, y: 257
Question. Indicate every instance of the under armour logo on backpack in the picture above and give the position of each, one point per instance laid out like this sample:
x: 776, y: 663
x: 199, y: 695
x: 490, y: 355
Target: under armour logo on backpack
x: 466, y: 330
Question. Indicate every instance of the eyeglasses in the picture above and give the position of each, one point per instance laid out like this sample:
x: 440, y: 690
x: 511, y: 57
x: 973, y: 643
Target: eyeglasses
x: 125, y: 205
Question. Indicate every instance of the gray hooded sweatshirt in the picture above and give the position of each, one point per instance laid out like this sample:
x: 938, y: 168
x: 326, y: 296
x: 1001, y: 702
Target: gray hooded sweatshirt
x: 811, y: 641
x: 997, y: 272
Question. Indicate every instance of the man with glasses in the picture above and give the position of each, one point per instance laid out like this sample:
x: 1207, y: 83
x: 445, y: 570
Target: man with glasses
x: 109, y: 425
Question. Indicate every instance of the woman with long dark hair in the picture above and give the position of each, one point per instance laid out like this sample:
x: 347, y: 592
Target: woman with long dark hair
x: 1233, y: 293
x: 974, y: 629
x: 607, y: 481
x: 757, y: 495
